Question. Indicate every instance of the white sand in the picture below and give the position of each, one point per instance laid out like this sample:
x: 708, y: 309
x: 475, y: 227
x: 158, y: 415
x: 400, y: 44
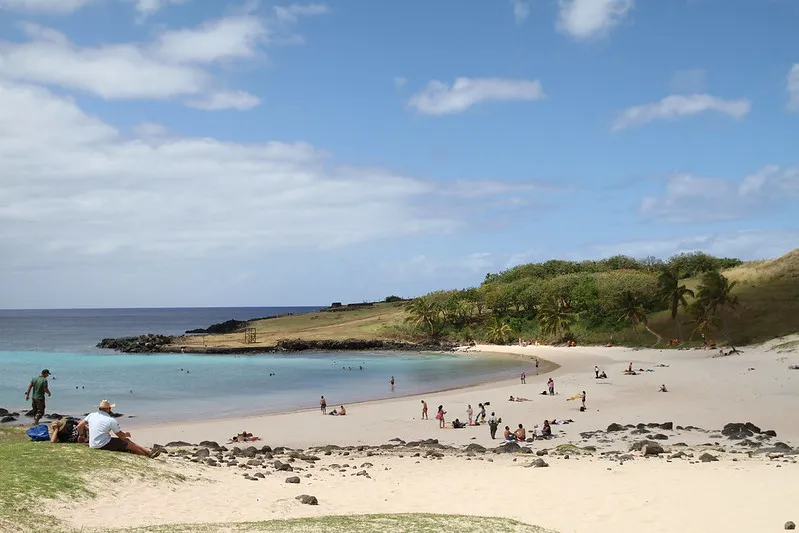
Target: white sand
x: 586, y: 494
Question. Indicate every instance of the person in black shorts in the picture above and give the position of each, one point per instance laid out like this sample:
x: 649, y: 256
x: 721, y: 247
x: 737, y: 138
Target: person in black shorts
x: 323, y: 405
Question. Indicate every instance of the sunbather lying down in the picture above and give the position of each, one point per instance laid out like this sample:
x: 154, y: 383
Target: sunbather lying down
x: 517, y: 399
x: 244, y: 437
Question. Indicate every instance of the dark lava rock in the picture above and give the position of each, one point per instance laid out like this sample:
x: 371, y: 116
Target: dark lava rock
x: 659, y: 436
x: 508, y: 447
x: 426, y: 442
x: 433, y: 453
x: 209, y: 444
x: 177, y: 444
x: 652, y: 448
x: 229, y: 326
x: 542, y: 453
x: 292, y: 479
x: 678, y: 455
x: 667, y: 425
x: 307, y: 499
x: 540, y: 463
x: 639, y: 431
x: 7, y: 418
x: 282, y: 467
x: 266, y: 449
x: 250, y: 451
x: 148, y: 343
x: 707, y: 458
x: 615, y: 427
x: 738, y: 430
x: 790, y: 525
x: 770, y: 433
x: 475, y: 448
x: 363, y: 473
x: 202, y: 453
x: 3, y: 412
x: 751, y: 427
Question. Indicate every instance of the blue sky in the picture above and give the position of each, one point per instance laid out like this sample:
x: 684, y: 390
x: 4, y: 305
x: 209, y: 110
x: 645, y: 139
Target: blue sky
x: 193, y: 153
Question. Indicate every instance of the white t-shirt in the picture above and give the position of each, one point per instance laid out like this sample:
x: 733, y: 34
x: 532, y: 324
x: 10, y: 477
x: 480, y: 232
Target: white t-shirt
x: 101, y: 424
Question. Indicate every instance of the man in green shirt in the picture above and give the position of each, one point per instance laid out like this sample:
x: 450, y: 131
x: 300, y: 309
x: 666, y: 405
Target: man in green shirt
x: 39, y: 387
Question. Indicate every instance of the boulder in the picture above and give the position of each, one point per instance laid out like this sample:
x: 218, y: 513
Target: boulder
x: 292, y: 479
x: 737, y: 431
x: 654, y: 447
x: 307, y: 499
x: 751, y: 427
x: 177, y: 444
x: 209, y: 444
x: 540, y: 463
x: 769, y: 433
x: 667, y: 425
x: 615, y: 427
x: 282, y: 467
x: 3, y: 412
x: 508, y: 447
x: 7, y: 418
x: 473, y: 447
x: 659, y: 436
x: 202, y: 453
x: 707, y: 458
x: 789, y: 525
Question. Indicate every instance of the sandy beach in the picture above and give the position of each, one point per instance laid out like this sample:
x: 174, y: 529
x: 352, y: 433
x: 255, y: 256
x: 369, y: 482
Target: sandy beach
x: 603, y: 488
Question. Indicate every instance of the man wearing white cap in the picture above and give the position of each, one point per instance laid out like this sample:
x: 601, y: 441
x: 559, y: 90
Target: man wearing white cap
x: 102, y: 424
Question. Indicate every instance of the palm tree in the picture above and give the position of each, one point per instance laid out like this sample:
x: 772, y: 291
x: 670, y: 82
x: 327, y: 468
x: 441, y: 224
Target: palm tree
x: 555, y: 318
x: 674, y: 293
x: 631, y: 308
x: 715, y: 294
x: 499, y: 332
x: 424, y: 312
x: 703, y: 319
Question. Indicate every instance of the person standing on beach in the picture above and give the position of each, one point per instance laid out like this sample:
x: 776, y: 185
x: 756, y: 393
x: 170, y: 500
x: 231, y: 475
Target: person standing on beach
x: 38, y: 386
x: 481, y: 416
x: 523, y: 377
x: 582, y: 397
x: 424, y: 410
x: 392, y: 383
x: 323, y: 405
x: 596, y: 371
x: 470, y: 413
x: 493, y: 424
x: 440, y: 417
x: 551, y: 386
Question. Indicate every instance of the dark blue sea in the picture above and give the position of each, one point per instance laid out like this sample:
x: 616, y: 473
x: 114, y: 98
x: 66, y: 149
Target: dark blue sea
x: 167, y: 387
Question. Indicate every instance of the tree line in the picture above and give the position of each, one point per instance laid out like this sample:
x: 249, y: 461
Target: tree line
x: 557, y: 300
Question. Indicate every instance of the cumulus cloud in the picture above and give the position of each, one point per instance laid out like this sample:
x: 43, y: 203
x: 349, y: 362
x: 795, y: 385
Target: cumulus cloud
x: 521, y: 10
x: 793, y: 88
x: 584, y: 19
x: 73, y: 189
x: 175, y: 65
x: 676, y: 106
x: 690, y: 198
x: 239, y: 100
x: 438, y: 98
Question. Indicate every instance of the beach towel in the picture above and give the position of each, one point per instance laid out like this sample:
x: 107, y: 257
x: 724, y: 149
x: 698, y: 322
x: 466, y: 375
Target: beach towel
x: 574, y: 397
x: 38, y: 433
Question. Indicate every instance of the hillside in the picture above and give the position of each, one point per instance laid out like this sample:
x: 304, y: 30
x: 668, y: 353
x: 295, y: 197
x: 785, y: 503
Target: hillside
x: 509, y: 306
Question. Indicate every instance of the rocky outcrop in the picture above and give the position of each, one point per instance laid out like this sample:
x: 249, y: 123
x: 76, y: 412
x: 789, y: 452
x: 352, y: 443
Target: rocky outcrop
x: 148, y: 343
x: 228, y: 326
x: 300, y: 345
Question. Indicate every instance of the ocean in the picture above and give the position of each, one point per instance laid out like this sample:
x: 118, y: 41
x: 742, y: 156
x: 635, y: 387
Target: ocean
x: 150, y: 388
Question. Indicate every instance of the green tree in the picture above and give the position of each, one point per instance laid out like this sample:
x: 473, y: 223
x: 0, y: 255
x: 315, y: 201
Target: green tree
x: 499, y: 332
x: 703, y: 319
x: 425, y: 313
x: 715, y: 294
x: 631, y: 309
x: 555, y: 318
x: 674, y: 293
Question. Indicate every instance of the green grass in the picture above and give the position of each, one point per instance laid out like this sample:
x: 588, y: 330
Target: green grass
x: 34, y: 471
x: 380, y: 523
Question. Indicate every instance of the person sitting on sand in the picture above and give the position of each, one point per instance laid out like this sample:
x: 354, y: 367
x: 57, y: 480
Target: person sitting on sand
x: 102, y: 424
x: 546, y: 430
x: 509, y: 437
x: 342, y: 411
x: 440, y: 417
x: 663, y: 388
x: 602, y: 375
x: 66, y: 430
x: 481, y: 415
x: 520, y: 434
x: 457, y: 424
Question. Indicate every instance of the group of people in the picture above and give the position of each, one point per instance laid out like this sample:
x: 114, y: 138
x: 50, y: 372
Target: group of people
x: 341, y: 411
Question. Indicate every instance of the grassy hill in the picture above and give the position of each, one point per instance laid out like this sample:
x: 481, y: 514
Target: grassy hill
x: 767, y: 291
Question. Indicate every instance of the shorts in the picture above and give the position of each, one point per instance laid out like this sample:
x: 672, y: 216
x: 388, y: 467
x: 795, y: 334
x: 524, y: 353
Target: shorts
x: 116, y: 445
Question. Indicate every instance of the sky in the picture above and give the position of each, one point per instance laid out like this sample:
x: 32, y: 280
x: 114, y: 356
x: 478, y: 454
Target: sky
x: 212, y: 153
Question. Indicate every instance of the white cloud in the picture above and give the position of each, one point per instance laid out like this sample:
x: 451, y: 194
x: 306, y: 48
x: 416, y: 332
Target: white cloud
x: 292, y: 12
x: 74, y: 190
x: 148, y: 7
x: 793, y: 88
x: 238, y: 100
x: 689, y: 81
x: 175, y: 65
x: 675, y: 106
x: 44, y: 6
x: 689, y: 198
x: 399, y: 82
x: 227, y: 38
x: 584, y: 19
x: 439, y: 99
x: 521, y: 10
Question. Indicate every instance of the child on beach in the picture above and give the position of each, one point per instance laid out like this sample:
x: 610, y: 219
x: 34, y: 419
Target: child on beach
x: 551, y: 386
x: 470, y: 413
x: 424, y: 410
x: 440, y: 417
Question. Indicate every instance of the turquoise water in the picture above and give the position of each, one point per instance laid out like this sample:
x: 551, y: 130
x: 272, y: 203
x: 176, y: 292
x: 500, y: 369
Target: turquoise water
x: 168, y: 387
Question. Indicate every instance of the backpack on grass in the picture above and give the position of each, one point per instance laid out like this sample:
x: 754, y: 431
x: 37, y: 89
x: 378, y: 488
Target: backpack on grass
x: 38, y: 433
